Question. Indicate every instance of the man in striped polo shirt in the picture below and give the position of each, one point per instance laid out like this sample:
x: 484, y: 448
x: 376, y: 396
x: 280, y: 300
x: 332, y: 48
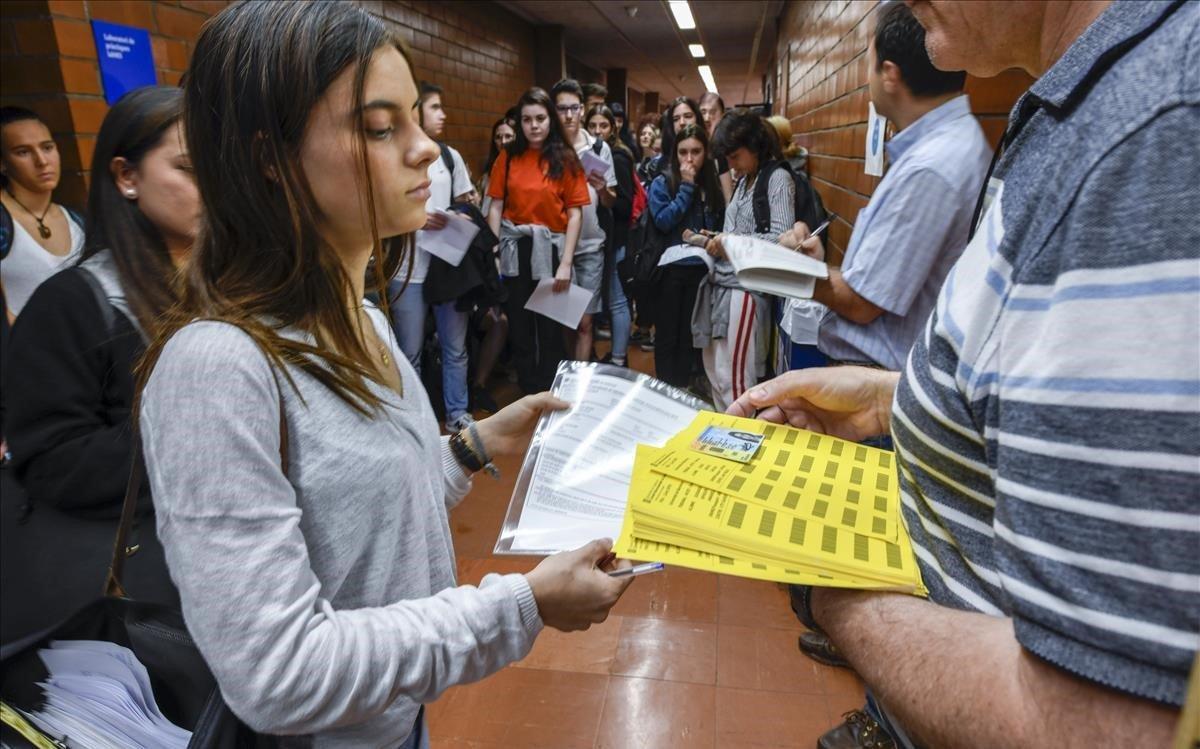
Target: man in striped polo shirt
x: 1047, y: 422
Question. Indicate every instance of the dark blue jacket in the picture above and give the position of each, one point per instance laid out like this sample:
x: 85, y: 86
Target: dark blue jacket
x: 684, y: 210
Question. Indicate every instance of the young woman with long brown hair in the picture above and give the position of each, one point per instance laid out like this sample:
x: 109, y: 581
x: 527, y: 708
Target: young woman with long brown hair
x: 301, y: 486
x: 538, y: 189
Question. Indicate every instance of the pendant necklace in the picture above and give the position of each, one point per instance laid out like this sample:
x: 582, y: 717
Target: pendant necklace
x: 42, y: 228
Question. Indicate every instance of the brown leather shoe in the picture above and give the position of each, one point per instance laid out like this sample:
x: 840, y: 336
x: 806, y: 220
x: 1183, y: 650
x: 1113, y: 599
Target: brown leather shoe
x: 818, y: 647
x: 860, y: 731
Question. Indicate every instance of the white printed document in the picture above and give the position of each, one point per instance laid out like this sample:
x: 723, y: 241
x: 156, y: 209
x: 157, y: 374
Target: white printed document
x: 566, y: 307
x: 772, y: 268
x: 593, y: 164
x: 680, y: 251
x: 451, y: 242
x: 574, y: 483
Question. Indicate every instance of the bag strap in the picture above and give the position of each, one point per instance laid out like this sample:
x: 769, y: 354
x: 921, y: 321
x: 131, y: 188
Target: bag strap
x: 507, y: 163
x: 448, y: 160
x: 108, y: 313
x: 116, y: 566
x: 761, y: 200
x: 6, y: 231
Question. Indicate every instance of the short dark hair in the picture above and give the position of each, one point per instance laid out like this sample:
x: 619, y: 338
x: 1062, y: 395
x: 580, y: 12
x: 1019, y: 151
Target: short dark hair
x: 429, y: 89
x: 566, y: 86
x: 595, y: 89
x: 9, y: 115
x: 741, y: 128
x: 710, y: 95
x: 901, y: 40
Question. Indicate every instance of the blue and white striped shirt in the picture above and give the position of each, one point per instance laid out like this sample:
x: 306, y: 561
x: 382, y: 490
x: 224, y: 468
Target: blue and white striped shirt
x: 909, y: 235
x: 1048, y: 421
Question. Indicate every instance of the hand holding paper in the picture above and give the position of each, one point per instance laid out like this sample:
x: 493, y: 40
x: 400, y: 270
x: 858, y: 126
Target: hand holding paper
x: 593, y: 164
x: 566, y: 307
x: 452, y: 240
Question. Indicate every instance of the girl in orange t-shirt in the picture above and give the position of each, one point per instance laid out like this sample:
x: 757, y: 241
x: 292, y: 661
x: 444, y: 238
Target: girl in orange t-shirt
x: 537, y: 187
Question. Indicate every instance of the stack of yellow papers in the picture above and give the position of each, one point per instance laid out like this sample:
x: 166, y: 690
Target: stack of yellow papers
x: 806, y: 508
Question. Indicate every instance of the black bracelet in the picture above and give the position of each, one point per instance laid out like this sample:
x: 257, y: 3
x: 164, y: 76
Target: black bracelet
x: 477, y: 447
x: 464, y: 454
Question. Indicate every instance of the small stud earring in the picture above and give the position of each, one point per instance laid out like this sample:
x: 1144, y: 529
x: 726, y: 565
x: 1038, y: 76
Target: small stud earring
x: 131, y: 193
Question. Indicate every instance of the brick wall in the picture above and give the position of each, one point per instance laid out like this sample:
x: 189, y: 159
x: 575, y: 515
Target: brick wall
x: 48, y: 58
x: 481, y: 54
x: 821, y: 77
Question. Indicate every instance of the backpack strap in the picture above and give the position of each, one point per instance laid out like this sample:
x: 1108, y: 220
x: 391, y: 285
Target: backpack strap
x: 448, y: 160
x: 76, y: 216
x: 762, y: 199
x: 6, y: 231
x: 507, y: 163
x: 108, y: 313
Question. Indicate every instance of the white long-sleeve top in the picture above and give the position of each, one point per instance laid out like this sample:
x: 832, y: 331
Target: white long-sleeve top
x: 324, y: 600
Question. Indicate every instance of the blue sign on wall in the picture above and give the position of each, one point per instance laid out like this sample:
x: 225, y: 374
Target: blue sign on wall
x: 126, y: 60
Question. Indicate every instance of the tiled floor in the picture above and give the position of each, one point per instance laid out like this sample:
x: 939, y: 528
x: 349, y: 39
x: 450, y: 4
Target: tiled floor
x: 687, y: 659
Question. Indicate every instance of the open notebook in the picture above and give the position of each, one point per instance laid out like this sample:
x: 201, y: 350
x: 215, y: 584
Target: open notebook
x: 772, y: 268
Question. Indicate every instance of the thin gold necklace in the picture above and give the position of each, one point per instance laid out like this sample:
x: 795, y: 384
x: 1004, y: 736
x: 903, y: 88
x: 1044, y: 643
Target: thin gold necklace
x: 42, y: 228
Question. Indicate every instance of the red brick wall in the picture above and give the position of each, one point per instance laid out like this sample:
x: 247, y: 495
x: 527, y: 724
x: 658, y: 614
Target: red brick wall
x: 481, y: 54
x: 48, y: 58
x: 821, y: 77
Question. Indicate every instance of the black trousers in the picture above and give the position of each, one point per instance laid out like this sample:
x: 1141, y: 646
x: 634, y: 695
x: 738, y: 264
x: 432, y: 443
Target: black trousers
x: 535, y: 341
x: 674, y: 354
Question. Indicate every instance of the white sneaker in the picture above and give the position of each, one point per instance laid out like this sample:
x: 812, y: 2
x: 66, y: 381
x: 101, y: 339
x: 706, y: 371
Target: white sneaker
x: 459, y: 424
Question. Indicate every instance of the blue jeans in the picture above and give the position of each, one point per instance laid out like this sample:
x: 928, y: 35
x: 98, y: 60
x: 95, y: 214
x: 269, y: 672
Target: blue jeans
x: 408, y: 320
x: 618, y: 309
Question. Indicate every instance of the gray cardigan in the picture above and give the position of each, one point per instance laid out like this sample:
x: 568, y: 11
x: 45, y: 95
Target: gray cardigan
x: 324, y: 600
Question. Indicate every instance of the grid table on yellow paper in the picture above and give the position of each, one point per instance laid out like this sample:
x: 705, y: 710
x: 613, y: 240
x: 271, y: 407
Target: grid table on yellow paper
x: 687, y: 659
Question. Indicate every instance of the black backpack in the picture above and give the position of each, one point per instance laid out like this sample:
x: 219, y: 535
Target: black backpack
x: 808, y: 205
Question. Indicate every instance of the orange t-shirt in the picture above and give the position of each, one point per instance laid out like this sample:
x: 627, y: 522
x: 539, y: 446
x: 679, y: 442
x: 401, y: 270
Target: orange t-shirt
x: 534, y: 198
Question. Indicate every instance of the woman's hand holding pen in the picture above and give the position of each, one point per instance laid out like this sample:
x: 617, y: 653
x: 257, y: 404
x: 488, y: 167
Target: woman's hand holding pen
x: 573, y: 589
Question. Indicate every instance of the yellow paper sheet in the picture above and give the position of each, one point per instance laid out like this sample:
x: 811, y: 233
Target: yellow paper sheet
x: 833, y: 481
x: 688, y: 525
x: 768, y: 534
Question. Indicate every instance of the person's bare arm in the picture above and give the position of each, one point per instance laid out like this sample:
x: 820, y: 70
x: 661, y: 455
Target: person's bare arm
x: 956, y: 678
x: 495, y: 212
x: 562, y: 276
x: 833, y: 292
x: 837, y: 295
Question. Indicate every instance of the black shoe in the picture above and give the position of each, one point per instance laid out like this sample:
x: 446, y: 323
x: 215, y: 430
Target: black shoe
x: 482, y: 400
x: 818, y: 647
x: 647, y: 343
x: 608, y: 359
x: 860, y: 731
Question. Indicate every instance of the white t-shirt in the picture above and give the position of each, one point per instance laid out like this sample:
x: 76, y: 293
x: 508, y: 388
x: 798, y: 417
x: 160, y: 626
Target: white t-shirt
x: 443, y: 189
x: 28, y: 264
x: 591, y: 236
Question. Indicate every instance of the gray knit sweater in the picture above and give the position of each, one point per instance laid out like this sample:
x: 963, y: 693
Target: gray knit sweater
x: 324, y: 600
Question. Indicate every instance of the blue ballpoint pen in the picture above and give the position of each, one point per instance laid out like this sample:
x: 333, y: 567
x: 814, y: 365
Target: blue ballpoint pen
x: 641, y: 569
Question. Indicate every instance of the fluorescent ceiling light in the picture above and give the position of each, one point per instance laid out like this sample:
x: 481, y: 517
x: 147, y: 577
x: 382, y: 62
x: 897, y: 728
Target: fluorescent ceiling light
x: 683, y: 14
x: 707, y: 76
x: 697, y: 50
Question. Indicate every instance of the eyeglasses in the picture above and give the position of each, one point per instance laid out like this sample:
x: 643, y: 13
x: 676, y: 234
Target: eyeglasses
x: 570, y: 109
